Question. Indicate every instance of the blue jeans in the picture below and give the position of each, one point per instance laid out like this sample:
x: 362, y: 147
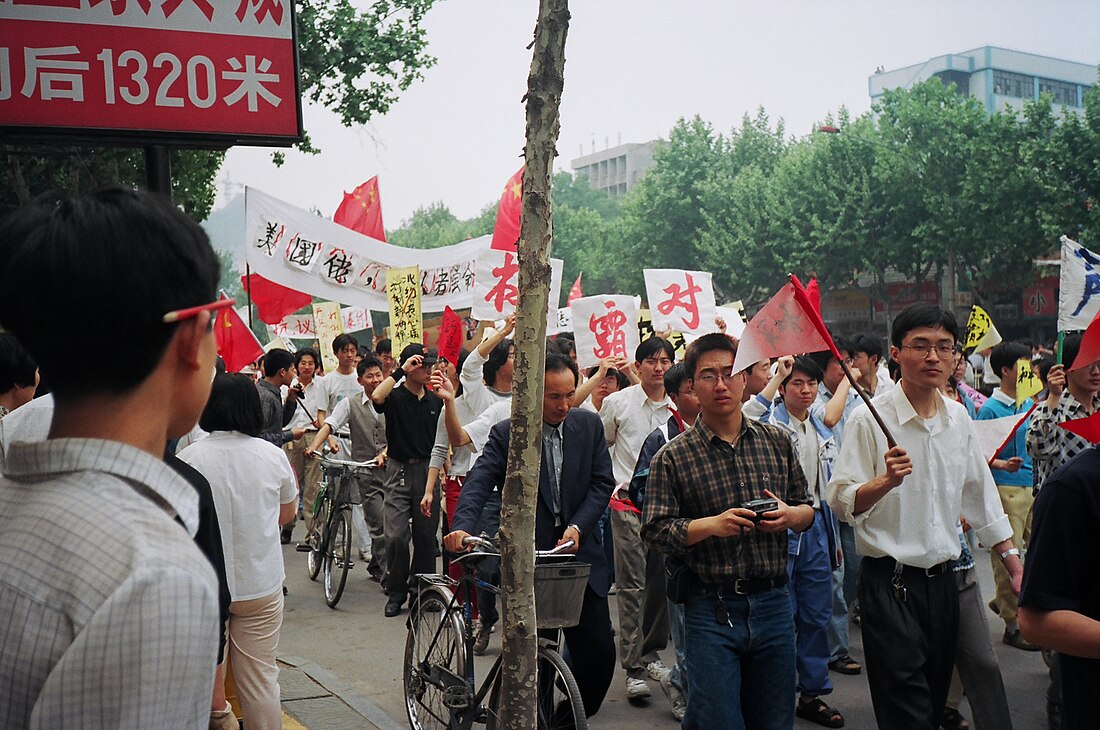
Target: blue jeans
x: 742, y: 672
x: 678, y: 677
x: 845, y: 580
x: 811, y: 586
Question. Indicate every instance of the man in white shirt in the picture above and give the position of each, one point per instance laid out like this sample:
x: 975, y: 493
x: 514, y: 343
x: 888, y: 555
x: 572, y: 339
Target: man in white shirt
x: 629, y: 416
x: 308, y: 398
x: 904, y: 503
x: 341, y: 383
x: 118, y: 627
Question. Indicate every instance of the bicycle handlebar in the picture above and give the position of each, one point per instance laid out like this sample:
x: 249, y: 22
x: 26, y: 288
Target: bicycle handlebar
x: 371, y: 464
x: 489, y: 547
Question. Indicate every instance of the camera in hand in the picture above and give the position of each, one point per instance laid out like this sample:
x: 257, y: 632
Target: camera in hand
x: 760, y: 506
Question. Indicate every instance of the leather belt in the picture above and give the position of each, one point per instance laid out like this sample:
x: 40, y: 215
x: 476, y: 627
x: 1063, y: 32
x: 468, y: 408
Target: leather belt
x: 745, y: 586
x: 891, y: 565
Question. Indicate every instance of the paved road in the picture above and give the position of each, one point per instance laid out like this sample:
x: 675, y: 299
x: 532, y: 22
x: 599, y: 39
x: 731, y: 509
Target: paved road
x: 347, y: 665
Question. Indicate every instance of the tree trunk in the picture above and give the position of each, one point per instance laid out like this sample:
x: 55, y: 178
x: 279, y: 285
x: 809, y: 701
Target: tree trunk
x: 517, y: 518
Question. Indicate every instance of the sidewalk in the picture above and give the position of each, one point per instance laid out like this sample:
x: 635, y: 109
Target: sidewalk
x: 314, y: 698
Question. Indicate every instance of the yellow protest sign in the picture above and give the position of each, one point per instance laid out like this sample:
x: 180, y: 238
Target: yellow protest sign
x: 645, y: 331
x: 403, y: 294
x: 1027, y: 382
x: 329, y: 324
x: 980, y: 332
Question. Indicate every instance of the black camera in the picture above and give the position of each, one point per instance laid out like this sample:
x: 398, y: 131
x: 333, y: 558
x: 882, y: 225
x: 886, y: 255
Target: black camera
x: 760, y: 507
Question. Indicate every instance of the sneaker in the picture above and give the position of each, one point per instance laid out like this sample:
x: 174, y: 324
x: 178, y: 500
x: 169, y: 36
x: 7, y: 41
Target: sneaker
x: 636, y: 689
x: 481, y: 637
x: 364, y: 556
x: 845, y: 665
x: 675, y: 697
x: 656, y: 669
x: 1017, y: 640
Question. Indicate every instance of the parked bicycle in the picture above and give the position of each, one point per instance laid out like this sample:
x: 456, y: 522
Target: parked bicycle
x: 439, y: 683
x: 330, y: 540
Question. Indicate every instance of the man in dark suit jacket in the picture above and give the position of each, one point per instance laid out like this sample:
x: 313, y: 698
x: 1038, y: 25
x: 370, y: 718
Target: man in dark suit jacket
x: 575, y: 456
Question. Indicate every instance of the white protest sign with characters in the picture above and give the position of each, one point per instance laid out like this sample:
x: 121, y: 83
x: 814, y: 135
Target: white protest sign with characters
x: 605, y: 326
x: 680, y: 300
x: 496, y: 285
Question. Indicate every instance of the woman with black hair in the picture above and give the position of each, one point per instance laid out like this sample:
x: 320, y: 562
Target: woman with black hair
x: 255, y: 492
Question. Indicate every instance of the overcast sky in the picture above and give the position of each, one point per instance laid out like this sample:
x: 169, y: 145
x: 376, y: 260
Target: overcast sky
x: 633, y: 67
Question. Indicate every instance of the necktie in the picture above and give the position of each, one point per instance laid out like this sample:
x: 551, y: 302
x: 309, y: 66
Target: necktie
x: 553, y: 456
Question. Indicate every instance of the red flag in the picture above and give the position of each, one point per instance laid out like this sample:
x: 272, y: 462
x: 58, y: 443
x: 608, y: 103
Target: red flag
x: 787, y: 325
x: 506, y: 231
x: 1089, y: 351
x: 450, y: 336
x: 361, y: 210
x: 236, y: 343
x: 575, y: 292
x: 273, y: 301
x: 1087, y: 428
x: 814, y: 294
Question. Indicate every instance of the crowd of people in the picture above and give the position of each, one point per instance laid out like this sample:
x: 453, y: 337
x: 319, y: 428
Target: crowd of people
x: 751, y: 519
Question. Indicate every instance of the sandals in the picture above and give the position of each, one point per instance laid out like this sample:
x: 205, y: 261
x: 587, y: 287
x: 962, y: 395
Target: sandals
x: 845, y: 665
x: 814, y: 710
x: 953, y: 720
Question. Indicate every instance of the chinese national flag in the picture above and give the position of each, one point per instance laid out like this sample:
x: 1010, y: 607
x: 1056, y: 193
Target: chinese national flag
x: 575, y: 292
x: 1089, y: 351
x: 789, y: 324
x: 361, y: 211
x: 273, y: 301
x: 506, y: 231
x: 236, y: 343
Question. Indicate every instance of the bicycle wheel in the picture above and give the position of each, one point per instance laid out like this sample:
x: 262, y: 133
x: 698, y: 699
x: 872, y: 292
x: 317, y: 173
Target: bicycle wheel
x: 559, y: 707
x: 316, y: 538
x: 435, y: 662
x: 337, y: 556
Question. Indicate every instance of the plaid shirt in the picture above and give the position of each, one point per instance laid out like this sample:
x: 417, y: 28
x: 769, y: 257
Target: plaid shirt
x: 1049, y: 445
x: 701, y: 475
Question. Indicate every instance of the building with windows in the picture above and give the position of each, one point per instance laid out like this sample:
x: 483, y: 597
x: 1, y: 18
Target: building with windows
x: 616, y: 169
x: 997, y: 77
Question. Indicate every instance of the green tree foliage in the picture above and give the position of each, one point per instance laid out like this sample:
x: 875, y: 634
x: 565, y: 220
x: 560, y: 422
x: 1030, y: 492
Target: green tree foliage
x: 353, y: 61
x: 436, y: 226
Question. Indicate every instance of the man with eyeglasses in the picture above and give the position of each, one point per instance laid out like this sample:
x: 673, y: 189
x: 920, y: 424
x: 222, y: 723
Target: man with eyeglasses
x: 629, y: 416
x: 904, y: 503
x: 738, y: 621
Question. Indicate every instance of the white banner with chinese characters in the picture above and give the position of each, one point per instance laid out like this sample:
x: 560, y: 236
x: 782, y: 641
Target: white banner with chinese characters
x: 562, y: 321
x: 682, y: 301
x: 303, y: 327
x: 208, y: 68
x: 605, y: 326
x: 310, y: 254
x: 496, y: 285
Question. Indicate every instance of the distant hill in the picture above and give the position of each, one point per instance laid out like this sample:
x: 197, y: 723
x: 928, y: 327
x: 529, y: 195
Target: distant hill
x: 226, y: 228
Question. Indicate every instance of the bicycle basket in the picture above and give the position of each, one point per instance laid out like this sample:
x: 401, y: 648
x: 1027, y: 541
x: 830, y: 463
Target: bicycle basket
x: 559, y: 593
x: 348, y: 493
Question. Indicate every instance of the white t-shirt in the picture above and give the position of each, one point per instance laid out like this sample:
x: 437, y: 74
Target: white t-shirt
x: 336, y: 387
x: 250, y: 479
x: 315, y: 397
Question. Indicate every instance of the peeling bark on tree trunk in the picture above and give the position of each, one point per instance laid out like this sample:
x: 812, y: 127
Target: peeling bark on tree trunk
x: 517, y: 519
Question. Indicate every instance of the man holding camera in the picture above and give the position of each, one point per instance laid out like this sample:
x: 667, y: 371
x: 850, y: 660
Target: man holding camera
x: 412, y: 412
x: 719, y: 501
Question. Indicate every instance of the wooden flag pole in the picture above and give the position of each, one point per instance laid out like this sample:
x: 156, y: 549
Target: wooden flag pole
x: 867, y: 399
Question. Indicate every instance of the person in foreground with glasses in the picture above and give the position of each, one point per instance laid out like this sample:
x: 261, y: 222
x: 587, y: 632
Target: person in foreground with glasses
x: 719, y: 501
x: 904, y: 503
x: 112, y: 627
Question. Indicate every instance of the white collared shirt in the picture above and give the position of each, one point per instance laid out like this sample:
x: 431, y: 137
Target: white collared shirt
x: 915, y: 522
x: 112, y: 627
x: 249, y: 478
x: 808, y: 452
x: 341, y: 414
x: 314, y: 398
x: 629, y: 416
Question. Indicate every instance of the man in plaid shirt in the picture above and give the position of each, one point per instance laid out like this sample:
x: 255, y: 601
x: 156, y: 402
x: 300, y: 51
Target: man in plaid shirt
x: 743, y: 672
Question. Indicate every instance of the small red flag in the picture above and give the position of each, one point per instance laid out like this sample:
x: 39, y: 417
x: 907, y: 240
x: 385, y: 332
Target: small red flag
x: 273, y: 301
x: 575, y: 292
x: 236, y: 343
x: 361, y: 210
x: 1087, y: 428
x: 450, y: 336
x: 1089, y: 351
x: 814, y: 294
x: 506, y: 231
x: 787, y: 325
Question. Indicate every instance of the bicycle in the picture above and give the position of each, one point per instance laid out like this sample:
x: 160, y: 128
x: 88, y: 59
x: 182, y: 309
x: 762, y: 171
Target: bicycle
x: 330, y: 540
x: 438, y: 676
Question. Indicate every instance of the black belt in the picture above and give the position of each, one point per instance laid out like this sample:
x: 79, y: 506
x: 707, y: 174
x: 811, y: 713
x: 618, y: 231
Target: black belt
x: 889, y: 565
x: 743, y: 586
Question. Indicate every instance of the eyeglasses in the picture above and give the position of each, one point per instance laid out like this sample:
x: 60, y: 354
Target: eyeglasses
x: 943, y: 351
x: 711, y: 379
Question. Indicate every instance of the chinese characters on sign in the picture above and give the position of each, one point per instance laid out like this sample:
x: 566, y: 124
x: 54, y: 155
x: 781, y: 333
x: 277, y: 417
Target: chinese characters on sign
x: 403, y: 293
x: 681, y: 300
x: 222, y: 68
x: 605, y: 326
x: 326, y: 316
x: 496, y: 285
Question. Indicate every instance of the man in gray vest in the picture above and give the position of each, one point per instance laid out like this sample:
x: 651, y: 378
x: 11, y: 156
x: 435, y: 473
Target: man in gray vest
x: 368, y: 441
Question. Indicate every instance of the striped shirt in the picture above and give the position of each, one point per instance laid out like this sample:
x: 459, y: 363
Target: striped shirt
x: 700, y: 475
x: 108, y: 611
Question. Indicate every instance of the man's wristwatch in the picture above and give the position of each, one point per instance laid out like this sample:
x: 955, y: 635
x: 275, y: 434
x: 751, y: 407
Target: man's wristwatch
x: 575, y: 527
x: 1010, y: 551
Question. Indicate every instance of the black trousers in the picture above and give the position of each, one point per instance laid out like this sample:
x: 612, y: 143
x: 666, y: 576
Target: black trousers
x: 591, y: 651
x: 909, y: 643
